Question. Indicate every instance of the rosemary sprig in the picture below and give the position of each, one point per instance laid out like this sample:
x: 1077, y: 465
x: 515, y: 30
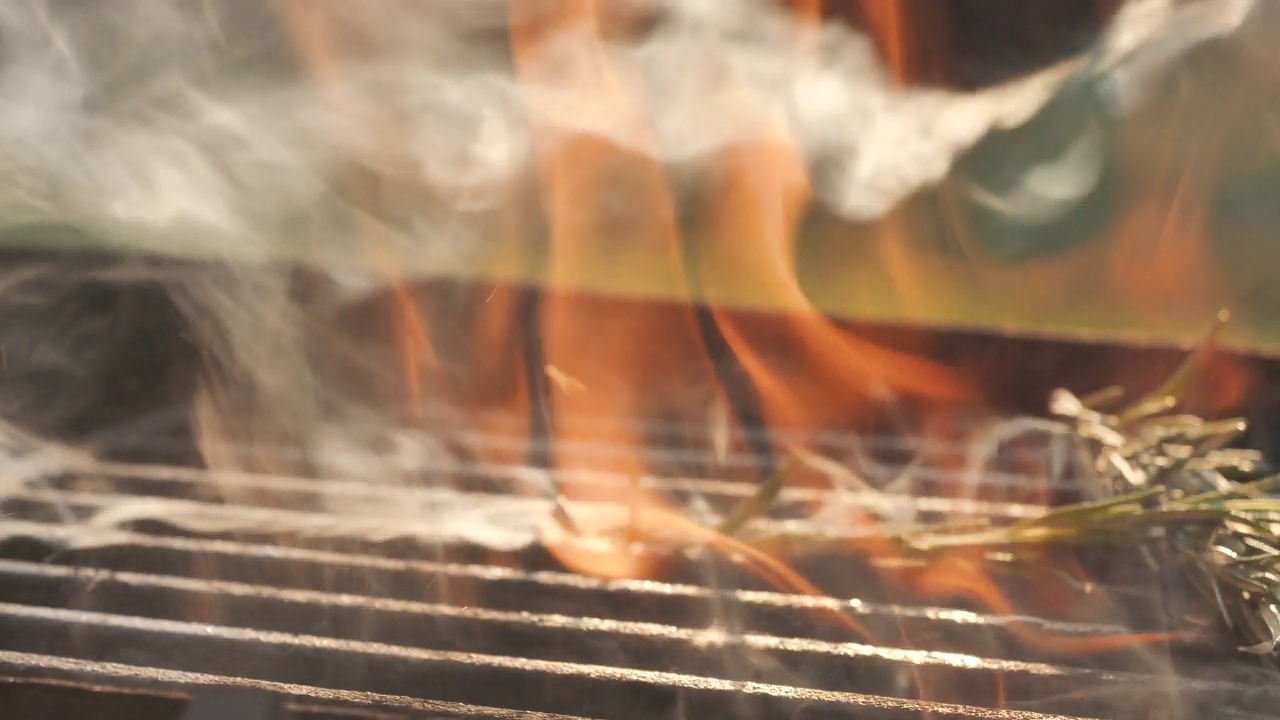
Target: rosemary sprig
x: 1168, y: 484
x: 1165, y: 482
x: 756, y: 505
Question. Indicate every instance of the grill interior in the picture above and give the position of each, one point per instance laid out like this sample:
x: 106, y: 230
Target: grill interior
x: 137, y: 617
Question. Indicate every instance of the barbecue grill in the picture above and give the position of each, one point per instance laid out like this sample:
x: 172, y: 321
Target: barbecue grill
x: 250, y: 478
x: 181, y: 601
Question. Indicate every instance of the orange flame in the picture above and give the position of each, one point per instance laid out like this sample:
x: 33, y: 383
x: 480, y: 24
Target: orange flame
x: 964, y: 573
x: 493, y: 381
x: 609, y: 354
x: 316, y: 39
x: 810, y: 373
x: 1160, y: 248
x: 630, y: 544
x: 606, y: 356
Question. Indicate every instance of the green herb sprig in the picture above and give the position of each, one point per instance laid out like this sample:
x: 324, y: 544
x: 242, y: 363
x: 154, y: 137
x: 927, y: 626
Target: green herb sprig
x: 1166, y: 482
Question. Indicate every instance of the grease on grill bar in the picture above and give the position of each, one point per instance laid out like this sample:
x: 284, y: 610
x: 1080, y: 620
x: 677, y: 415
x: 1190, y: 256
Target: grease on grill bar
x: 135, y: 620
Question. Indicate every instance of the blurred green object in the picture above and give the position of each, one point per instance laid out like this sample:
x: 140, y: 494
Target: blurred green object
x: 1244, y: 224
x: 50, y: 236
x: 1045, y: 186
x: 1249, y: 200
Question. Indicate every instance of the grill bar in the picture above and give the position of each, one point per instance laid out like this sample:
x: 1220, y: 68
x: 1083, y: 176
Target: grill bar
x: 499, y: 588
x: 650, y: 646
x: 460, y: 677
x: 504, y: 516
x: 294, y: 492
x: 670, y: 441
x: 113, y: 690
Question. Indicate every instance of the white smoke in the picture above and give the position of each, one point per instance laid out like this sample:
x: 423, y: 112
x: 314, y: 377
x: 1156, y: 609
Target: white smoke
x: 192, y: 128
x: 187, y: 127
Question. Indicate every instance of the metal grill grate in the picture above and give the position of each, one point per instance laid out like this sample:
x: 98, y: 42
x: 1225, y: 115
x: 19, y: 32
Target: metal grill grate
x: 133, y: 618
